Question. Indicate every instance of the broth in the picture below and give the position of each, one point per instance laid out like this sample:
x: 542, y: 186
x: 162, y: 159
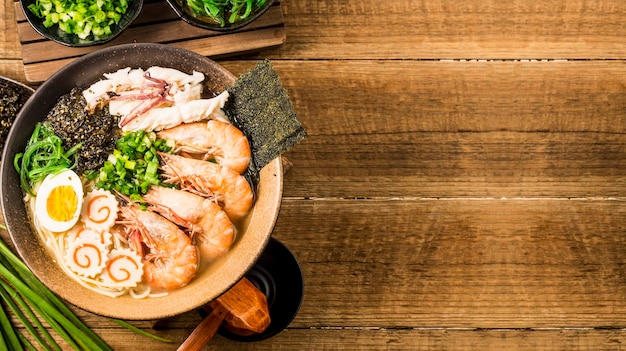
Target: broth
x: 178, y: 224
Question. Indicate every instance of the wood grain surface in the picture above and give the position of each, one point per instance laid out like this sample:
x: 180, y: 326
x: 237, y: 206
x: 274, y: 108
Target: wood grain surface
x: 462, y: 183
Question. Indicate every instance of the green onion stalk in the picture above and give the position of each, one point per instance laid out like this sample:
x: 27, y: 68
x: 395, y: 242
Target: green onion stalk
x: 26, y: 297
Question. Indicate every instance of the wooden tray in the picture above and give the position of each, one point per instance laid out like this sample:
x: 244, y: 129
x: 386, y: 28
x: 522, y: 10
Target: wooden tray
x: 157, y: 23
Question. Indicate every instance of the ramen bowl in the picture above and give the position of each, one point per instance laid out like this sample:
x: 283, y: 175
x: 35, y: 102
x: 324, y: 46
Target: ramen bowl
x: 212, y: 280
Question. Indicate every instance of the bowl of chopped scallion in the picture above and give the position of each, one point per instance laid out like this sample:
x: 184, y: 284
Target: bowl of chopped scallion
x: 81, y: 22
x: 220, y: 15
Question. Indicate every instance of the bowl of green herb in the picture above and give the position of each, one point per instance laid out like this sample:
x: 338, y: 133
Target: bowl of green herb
x: 220, y: 15
x: 81, y: 22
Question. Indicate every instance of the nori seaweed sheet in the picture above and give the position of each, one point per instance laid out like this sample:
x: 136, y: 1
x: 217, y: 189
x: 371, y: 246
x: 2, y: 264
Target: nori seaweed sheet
x: 259, y: 105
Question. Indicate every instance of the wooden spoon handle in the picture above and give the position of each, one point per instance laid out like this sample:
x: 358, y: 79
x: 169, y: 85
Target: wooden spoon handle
x: 201, y: 335
x: 243, y: 308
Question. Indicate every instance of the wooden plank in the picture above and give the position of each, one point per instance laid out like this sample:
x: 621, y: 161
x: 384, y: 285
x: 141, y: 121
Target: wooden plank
x: 456, y: 129
x: 9, y: 45
x: 395, y: 339
x: 465, y: 272
x: 454, y: 165
x: 454, y: 96
x: 215, y: 47
x: 12, y: 69
x: 401, y: 340
x: 157, y: 24
x: 458, y: 263
x: 455, y: 29
x: 434, y: 340
x: 10, y: 49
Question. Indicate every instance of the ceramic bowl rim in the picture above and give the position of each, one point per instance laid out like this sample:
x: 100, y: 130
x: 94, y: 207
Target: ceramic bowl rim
x: 246, y: 250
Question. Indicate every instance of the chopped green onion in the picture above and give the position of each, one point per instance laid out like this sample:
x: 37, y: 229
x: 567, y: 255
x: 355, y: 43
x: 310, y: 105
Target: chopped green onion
x: 84, y: 18
x: 133, y: 166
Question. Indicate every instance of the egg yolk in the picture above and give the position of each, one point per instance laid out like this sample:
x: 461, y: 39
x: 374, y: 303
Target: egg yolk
x: 61, y: 203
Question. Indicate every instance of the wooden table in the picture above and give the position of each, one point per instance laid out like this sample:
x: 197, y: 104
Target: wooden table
x: 463, y: 182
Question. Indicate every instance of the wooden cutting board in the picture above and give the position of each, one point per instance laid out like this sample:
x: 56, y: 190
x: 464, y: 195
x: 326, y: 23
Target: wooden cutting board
x: 157, y: 23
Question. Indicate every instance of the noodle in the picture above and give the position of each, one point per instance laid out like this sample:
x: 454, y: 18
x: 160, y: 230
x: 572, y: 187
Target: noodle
x: 107, y: 242
x: 56, y: 243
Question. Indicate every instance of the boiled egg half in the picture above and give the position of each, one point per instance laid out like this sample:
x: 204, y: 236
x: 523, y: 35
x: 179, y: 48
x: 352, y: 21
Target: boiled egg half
x: 59, y: 201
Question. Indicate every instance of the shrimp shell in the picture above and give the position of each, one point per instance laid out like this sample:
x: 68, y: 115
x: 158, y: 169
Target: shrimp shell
x: 173, y: 259
x: 218, y: 140
x: 212, y: 229
x: 228, y: 187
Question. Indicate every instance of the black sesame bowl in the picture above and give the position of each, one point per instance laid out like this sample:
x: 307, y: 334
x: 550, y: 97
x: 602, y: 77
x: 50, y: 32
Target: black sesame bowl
x: 185, y: 12
x: 55, y: 33
x: 13, y: 95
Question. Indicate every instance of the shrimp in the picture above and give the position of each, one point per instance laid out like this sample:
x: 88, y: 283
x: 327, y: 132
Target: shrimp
x: 217, y: 140
x: 173, y: 260
x: 211, y: 228
x: 229, y: 188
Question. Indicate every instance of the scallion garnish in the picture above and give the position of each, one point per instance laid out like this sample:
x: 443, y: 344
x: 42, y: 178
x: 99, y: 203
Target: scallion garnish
x: 44, y: 154
x: 133, y: 166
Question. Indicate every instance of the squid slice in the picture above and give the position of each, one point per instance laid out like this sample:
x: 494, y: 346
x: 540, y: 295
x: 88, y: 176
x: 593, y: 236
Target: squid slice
x: 183, y: 87
x: 160, y: 118
x: 172, y: 75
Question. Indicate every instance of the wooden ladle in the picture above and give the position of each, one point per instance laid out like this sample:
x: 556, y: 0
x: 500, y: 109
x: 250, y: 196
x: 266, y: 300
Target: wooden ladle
x: 243, y: 310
